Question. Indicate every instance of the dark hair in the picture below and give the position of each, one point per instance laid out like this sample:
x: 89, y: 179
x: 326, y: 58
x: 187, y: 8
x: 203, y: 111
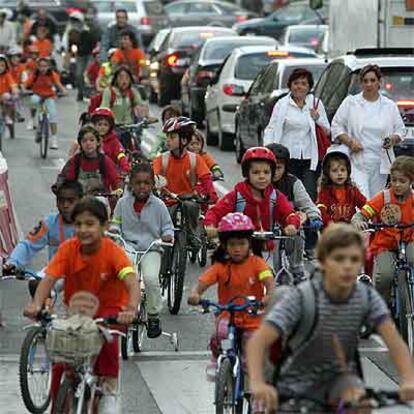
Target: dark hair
x: 142, y: 167
x: 84, y: 118
x: 300, y: 73
x: 172, y: 108
x: 220, y: 255
x: 118, y: 71
x: 370, y: 68
x: 326, y: 165
x: 71, y: 185
x: 88, y: 128
x: 200, y: 136
x: 92, y: 205
x: 121, y: 11
x: 404, y: 164
x: 131, y: 36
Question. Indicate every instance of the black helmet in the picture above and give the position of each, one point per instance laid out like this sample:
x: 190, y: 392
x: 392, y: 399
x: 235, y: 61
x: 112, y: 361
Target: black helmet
x: 280, y: 151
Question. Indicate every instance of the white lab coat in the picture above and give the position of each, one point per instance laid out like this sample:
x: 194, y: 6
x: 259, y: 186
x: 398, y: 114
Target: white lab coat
x: 368, y: 170
x: 275, y: 128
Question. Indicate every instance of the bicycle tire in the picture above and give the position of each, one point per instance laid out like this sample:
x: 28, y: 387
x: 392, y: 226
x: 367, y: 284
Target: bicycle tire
x: 176, y: 281
x: 66, y: 400
x: 2, y: 127
x: 406, y: 326
x: 44, y: 141
x: 192, y: 256
x: 11, y: 131
x: 224, y: 389
x: 140, y: 329
x: 125, y: 344
x: 202, y: 253
x: 28, y: 401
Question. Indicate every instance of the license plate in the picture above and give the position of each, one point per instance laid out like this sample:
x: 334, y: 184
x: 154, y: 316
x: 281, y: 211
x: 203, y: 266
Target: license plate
x: 182, y: 62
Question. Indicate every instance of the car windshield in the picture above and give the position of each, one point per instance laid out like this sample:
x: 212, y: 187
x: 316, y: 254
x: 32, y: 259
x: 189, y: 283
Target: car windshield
x: 192, y: 39
x: 154, y: 8
x: 219, y: 50
x: 111, y: 6
x: 316, y: 71
x: 397, y: 84
x: 306, y: 36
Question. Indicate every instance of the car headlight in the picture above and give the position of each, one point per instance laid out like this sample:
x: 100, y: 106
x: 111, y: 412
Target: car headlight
x: 154, y: 66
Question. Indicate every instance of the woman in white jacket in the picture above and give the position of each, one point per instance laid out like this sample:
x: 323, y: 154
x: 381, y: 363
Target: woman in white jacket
x: 362, y: 123
x: 292, y: 124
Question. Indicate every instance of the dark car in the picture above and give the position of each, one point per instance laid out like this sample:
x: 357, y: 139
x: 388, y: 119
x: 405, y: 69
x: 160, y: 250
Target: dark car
x: 275, y: 24
x: 205, y: 65
x: 341, y: 78
x: 175, y: 55
x: 207, y: 12
x: 270, y: 85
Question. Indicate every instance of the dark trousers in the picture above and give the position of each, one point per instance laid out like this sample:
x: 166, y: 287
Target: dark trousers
x: 301, y: 168
x: 81, y: 65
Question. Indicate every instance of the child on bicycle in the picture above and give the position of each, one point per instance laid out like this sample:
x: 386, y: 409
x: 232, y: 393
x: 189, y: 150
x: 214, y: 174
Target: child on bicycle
x: 17, y: 67
x: 142, y: 218
x: 237, y: 271
x: 93, y: 263
x: 94, y: 170
x: 8, y: 90
x: 184, y: 171
x: 256, y: 197
x: 92, y: 70
x: 42, y: 42
x: 197, y: 145
x: 296, y: 193
x: 394, y: 205
x: 42, y: 83
x: 338, y: 197
x: 315, y: 371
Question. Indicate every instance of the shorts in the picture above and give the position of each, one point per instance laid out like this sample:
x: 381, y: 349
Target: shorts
x: 50, y: 105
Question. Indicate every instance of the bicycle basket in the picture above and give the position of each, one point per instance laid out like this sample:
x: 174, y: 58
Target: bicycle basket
x: 73, y: 340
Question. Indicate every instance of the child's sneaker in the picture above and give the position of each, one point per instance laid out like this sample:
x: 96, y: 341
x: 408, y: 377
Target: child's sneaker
x: 53, y: 143
x: 154, y: 327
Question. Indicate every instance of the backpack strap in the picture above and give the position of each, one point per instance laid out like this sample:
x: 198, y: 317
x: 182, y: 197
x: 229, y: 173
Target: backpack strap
x: 164, y: 162
x: 77, y: 161
x: 240, y: 203
x: 387, y: 196
x: 102, y: 165
x: 113, y: 97
x: 193, y: 167
x: 273, y: 201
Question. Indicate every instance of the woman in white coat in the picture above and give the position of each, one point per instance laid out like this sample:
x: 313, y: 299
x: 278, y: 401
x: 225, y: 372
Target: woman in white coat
x: 362, y: 123
x: 292, y: 124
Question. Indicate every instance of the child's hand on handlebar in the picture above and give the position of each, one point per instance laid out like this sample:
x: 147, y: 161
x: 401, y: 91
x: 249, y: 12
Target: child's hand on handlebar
x: 407, y: 390
x: 194, y: 299
x: 32, y: 311
x: 264, y: 394
x: 360, y: 225
x: 127, y: 316
x: 290, y: 230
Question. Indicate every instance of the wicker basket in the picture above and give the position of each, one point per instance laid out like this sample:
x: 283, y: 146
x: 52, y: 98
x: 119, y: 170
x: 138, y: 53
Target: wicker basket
x: 73, y: 340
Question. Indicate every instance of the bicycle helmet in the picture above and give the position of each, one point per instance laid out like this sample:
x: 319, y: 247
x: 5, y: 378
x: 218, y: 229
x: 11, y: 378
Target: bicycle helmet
x: 257, y: 154
x: 336, y: 151
x: 105, y: 113
x: 5, y: 60
x: 15, y: 51
x: 235, y: 225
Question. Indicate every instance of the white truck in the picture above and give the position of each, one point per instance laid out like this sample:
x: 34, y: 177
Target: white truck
x: 357, y: 24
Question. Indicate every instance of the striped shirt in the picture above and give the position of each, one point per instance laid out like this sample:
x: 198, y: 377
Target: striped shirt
x: 315, y: 364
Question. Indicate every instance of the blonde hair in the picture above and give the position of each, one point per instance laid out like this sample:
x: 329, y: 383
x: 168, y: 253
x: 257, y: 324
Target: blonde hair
x: 405, y: 165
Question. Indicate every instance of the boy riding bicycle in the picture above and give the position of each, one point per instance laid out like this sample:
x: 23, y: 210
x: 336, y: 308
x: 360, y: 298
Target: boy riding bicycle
x: 93, y: 263
x: 313, y: 371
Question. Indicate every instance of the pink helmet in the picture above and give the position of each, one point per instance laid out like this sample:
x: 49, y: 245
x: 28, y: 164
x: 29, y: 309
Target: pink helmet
x: 235, y: 222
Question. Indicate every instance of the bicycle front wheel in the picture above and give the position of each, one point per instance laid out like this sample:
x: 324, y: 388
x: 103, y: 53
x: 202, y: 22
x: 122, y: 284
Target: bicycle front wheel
x: 405, y: 315
x: 126, y: 342
x: 35, y: 371
x: 44, y: 136
x: 138, y: 334
x: 178, y: 268
x: 67, y: 402
x: 2, y: 128
x: 224, y: 392
x: 202, y: 253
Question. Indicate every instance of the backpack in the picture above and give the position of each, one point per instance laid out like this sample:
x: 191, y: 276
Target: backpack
x: 96, y: 100
x: 241, y: 205
x: 165, y: 156
x: 292, y: 346
x: 102, y: 166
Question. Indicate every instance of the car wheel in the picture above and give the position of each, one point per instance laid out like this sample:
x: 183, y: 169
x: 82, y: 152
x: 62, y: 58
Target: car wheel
x: 225, y: 140
x: 211, y: 137
x: 238, y: 146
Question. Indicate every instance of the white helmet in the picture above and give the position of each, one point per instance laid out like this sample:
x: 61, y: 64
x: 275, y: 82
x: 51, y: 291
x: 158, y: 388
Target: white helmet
x: 111, y: 51
x: 15, y: 50
x: 78, y: 15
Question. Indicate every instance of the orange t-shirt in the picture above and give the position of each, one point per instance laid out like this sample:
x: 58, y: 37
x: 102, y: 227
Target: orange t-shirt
x: 42, y: 85
x: 234, y: 279
x: 45, y: 47
x: 178, y: 172
x: 6, y: 83
x: 31, y: 65
x: 340, y: 194
x: 134, y: 58
x: 387, y: 239
x: 17, y: 72
x: 100, y: 273
x: 209, y: 160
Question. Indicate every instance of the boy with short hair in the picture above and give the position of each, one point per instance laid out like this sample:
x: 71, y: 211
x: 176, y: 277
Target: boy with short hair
x: 313, y: 370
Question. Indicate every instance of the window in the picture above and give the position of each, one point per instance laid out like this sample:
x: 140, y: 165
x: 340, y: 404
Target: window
x: 176, y: 8
x: 154, y: 8
x: 200, y: 8
x: 269, y: 79
x: 255, y: 88
x: 292, y: 13
x: 248, y: 66
x: 112, y: 6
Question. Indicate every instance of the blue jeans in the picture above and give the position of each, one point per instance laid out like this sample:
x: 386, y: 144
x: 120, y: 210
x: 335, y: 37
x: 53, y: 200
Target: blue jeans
x: 50, y: 105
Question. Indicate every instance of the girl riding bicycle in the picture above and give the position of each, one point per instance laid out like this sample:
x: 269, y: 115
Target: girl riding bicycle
x: 391, y: 206
x: 8, y: 90
x: 237, y: 271
x: 93, y: 263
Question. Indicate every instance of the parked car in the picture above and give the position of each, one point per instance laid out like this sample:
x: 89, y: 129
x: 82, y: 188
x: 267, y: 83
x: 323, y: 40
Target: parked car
x: 204, y: 66
x: 147, y: 16
x: 175, y: 55
x: 207, y: 12
x: 228, y: 88
x: 310, y: 36
x: 270, y: 85
x: 341, y: 78
x: 274, y: 24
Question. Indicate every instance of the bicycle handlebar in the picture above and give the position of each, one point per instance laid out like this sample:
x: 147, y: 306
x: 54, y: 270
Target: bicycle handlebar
x: 251, y: 305
x: 379, y: 226
x: 270, y: 235
x: 118, y: 237
x: 19, y: 273
x: 140, y: 124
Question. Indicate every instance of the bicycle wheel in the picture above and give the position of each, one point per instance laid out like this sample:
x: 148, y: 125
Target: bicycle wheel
x: 202, y: 253
x: 44, y: 132
x: 126, y: 344
x: 176, y: 280
x: 66, y: 400
x: 224, y: 391
x: 138, y: 334
x: 2, y: 128
x: 405, y: 313
x: 34, y: 371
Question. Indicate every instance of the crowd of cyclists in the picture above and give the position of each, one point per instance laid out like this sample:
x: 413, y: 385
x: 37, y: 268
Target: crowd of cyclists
x: 106, y: 184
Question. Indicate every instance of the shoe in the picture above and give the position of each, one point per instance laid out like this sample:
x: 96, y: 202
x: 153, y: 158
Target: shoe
x: 30, y: 125
x: 154, y: 328
x: 54, y: 143
x: 109, y: 404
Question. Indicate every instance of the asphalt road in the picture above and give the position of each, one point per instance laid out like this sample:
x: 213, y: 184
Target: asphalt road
x: 159, y: 380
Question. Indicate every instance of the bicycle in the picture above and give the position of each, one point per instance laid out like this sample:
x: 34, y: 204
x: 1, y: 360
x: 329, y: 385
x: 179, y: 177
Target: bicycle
x: 33, y: 361
x: 136, y: 332
x: 230, y: 394
x: 402, y: 290
x: 43, y: 125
